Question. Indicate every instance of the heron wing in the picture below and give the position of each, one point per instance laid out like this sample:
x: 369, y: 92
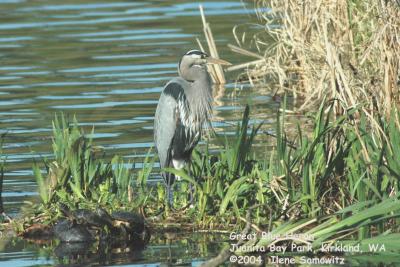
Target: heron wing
x: 166, y: 120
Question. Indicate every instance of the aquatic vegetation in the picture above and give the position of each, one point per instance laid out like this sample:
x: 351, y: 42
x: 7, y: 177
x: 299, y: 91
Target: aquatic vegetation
x: 80, y: 175
x: 337, y: 185
x: 307, y: 176
x: 336, y: 230
x: 338, y: 182
x: 319, y: 173
x: 222, y: 177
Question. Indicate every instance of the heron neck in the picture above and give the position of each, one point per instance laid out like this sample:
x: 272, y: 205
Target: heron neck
x: 200, y: 99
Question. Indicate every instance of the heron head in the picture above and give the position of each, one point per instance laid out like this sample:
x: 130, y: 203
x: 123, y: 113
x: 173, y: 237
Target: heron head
x: 194, y: 62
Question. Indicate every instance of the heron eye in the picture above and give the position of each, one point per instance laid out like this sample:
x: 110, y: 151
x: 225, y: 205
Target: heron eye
x: 203, y: 56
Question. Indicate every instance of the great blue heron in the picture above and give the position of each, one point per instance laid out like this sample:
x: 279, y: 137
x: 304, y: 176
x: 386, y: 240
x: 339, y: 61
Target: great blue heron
x: 184, y: 106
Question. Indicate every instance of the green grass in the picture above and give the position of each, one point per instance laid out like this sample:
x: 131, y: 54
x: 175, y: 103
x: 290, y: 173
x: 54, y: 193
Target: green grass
x: 340, y: 164
x: 80, y: 175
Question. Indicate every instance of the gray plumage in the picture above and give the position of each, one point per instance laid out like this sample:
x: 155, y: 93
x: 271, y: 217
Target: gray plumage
x: 184, y: 107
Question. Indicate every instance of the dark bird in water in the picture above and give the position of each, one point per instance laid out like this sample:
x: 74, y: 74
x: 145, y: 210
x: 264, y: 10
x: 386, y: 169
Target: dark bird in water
x: 185, y: 105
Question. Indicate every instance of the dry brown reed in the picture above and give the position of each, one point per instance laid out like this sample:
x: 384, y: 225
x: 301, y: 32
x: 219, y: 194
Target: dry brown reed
x: 216, y: 71
x: 346, y: 49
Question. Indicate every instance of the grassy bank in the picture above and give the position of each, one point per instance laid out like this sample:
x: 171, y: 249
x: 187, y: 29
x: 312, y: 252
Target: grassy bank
x: 336, y: 185
x: 305, y: 178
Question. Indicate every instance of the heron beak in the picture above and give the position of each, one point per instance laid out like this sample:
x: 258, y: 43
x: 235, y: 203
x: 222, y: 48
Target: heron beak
x: 213, y: 60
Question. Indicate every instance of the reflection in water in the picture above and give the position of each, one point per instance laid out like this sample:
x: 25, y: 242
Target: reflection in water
x: 162, y: 249
x: 98, y: 252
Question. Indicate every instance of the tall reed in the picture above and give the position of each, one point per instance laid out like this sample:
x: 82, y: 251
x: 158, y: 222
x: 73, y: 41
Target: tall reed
x: 347, y: 50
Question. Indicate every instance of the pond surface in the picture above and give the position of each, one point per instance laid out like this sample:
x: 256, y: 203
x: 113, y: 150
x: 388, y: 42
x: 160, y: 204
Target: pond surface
x: 164, y: 250
x: 106, y: 62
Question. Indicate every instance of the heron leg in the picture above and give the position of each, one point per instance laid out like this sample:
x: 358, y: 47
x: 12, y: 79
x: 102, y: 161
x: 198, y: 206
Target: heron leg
x: 170, y: 196
x: 191, y: 186
x: 170, y: 193
x: 191, y: 194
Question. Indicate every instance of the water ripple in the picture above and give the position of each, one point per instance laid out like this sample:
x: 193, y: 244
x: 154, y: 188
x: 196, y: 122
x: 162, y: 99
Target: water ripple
x: 78, y: 6
x: 106, y: 104
x: 122, y: 68
x: 15, y: 102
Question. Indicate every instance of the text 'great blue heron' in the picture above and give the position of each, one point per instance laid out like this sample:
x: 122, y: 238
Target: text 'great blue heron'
x: 184, y: 106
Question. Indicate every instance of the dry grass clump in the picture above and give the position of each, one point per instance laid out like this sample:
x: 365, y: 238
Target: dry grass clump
x: 345, y: 49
